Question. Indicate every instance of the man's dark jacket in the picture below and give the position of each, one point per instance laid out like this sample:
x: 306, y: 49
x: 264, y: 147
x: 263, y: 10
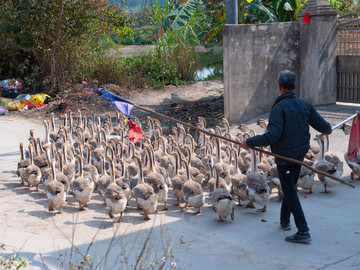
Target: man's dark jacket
x: 288, y: 128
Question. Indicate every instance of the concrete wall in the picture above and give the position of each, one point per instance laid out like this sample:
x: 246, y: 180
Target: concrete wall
x: 253, y: 57
x: 318, y: 50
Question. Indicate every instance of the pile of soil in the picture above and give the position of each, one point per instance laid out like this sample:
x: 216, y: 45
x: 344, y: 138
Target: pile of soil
x: 75, y: 98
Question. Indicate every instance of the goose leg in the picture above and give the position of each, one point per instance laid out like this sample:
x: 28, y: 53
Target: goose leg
x: 110, y: 213
x: 165, y: 207
x: 146, y: 216
x: 325, y: 190
x: 177, y: 202
x: 81, y: 206
x: 198, y: 211
x: 310, y: 191
x: 120, y: 219
x: 240, y: 204
x: 60, y: 211
x: 232, y: 213
x: 51, y: 208
x: 262, y: 209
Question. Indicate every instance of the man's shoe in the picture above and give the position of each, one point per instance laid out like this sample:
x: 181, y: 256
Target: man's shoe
x: 286, y: 227
x: 299, y: 238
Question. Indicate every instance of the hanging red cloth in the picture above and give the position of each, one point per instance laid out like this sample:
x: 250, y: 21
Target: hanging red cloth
x: 135, y: 133
x: 354, y: 140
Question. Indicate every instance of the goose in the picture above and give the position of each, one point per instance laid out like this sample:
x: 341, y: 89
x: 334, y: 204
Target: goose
x: 354, y: 163
x: 257, y: 186
x: 263, y: 124
x: 91, y: 169
x: 39, y: 159
x: 115, y: 198
x: 238, y: 181
x: 54, y: 136
x: 222, y: 202
x: 124, y: 182
x: 176, y: 181
x: 274, y: 182
x: 33, y: 172
x: 144, y: 194
x: 323, y: 165
x: 46, y: 143
x: 306, y: 180
x: 222, y: 167
x: 22, y: 164
x: 211, y: 183
x: 60, y: 176
x: 56, y: 193
x: 81, y: 187
x: 156, y: 180
x: 330, y: 157
x: 68, y: 168
x: 192, y: 192
x: 194, y: 171
x: 104, y: 180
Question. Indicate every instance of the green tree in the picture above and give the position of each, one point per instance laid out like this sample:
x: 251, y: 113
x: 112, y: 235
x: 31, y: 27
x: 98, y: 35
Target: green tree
x: 45, y: 40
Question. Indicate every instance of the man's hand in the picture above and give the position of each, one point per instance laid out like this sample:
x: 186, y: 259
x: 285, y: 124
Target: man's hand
x: 244, y: 145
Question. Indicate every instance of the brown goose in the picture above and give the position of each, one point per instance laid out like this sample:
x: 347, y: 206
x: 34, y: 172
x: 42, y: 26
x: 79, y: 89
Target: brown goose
x: 144, y: 193
x: 323, y: 165
x: 115, y: 198
x: 33, y: 172
x: 22, y: 165
x: 55, y: 191
x: 81, y: 187
x: 156, y: 179
x: 257, y: 186
x: 238, y: 181
x: 222, y: 202
x: 192, y: 191
x: 176, y: 181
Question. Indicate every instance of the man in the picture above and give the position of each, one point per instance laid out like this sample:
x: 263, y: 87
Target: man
x: 288, y: 135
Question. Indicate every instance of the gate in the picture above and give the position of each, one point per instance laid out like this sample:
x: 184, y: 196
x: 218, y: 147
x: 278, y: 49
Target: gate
x: 348, y: 58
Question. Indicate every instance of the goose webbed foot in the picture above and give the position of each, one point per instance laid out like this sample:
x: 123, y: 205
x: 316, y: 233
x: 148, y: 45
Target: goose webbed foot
x: 325, y: 190
x: 262, y: 209
x: 198, y: 211
x: 250, y: 205
x: 309, y: 192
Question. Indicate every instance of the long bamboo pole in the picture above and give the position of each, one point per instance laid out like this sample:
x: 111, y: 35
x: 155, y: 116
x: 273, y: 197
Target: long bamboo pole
x: 237, y: 142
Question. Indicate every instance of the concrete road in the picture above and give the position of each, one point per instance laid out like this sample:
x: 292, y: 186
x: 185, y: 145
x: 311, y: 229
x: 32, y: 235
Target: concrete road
x: 176, y: 238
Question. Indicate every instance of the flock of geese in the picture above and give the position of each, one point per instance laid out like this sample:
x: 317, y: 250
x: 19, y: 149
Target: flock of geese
x: 87, y: 155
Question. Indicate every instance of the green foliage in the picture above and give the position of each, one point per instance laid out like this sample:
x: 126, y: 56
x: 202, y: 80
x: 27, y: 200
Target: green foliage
x: 42, y: 41
x: 13, y: 262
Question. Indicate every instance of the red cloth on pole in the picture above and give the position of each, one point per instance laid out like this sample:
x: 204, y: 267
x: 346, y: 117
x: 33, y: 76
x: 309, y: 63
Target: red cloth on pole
x: 306, y: 18
x: 354, y: 140
x: 135, y: 132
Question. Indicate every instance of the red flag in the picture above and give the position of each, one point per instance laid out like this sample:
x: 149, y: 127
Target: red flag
x: 354, y: 140
x: 306, y: 17
x: 135, y: 132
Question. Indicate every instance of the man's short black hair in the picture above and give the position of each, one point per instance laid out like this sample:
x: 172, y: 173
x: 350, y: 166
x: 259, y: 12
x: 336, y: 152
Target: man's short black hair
x: 287, y: 79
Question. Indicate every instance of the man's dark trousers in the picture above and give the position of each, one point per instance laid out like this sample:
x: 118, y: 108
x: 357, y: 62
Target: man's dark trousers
x: 289, y: 175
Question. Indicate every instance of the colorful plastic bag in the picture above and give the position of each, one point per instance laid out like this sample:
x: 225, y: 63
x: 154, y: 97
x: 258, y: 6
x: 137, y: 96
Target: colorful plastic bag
x: 9, y: 103
x: 3, y: 111
x: 38, y: 99
x: 354, y: 140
